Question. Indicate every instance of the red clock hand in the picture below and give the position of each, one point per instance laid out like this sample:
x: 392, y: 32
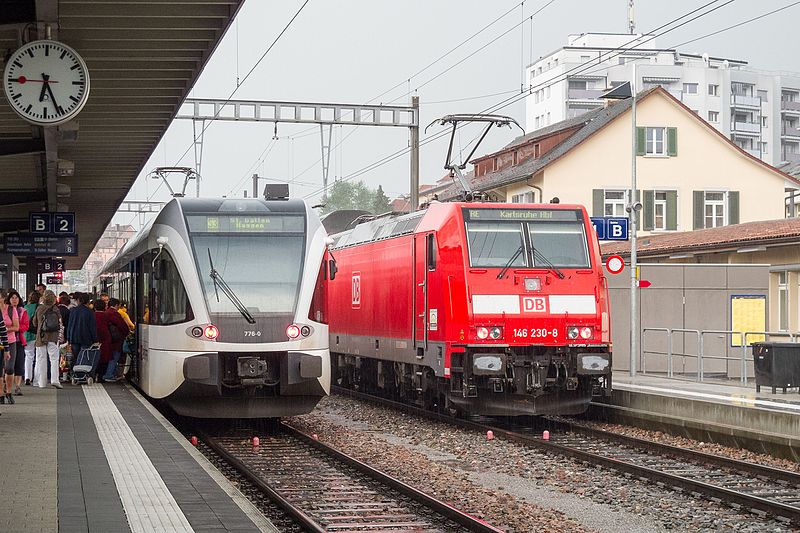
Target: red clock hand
x: 23, y: 79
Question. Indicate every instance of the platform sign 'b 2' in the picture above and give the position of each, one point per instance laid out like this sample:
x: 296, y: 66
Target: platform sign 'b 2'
x: 356, y: 290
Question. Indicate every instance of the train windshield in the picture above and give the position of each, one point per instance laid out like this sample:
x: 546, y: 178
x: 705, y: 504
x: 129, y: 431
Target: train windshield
x: 550, y: 238
x: 260, y: 259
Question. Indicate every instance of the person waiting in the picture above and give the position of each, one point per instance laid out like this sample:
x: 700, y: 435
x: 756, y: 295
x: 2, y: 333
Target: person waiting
x: 47, y: 323
x: 82, y: 327
x: 118, y: 330
x: 30, y: 337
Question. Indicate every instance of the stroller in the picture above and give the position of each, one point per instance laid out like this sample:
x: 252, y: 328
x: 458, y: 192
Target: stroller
x: 86, y: 365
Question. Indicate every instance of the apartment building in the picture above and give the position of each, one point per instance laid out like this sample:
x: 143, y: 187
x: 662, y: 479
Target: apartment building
x: 757, y: 110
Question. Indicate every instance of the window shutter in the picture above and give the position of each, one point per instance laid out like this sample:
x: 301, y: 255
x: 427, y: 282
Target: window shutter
x: 672, y: 142
x: 699, y: 206
x: 672, y: 210
x: 641, y: 141
x: 649, y: 210
x: 598, y: 202
x: 733, y: 207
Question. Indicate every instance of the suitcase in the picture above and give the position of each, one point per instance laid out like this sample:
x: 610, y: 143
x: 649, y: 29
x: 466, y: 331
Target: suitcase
x: 86, y: 365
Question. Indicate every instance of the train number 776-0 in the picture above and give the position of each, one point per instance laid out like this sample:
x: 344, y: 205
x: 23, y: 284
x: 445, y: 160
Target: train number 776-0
x: 533, y: 333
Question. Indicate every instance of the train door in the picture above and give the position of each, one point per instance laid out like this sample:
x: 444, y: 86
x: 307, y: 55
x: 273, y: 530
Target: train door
x: 422, y: 257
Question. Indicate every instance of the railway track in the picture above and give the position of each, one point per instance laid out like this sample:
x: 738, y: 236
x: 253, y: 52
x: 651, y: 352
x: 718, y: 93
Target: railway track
x: 739, y: 483
x: 326, y: 490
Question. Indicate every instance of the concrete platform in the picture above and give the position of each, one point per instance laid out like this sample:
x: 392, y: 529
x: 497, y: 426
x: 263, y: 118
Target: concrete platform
x: 99, y: 458
x: 721, y: 412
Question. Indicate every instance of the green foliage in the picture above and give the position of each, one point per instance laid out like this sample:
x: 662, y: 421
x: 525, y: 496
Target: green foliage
x: 349, y: 195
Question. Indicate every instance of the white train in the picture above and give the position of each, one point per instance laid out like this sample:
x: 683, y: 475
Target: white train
x: 228, y: 297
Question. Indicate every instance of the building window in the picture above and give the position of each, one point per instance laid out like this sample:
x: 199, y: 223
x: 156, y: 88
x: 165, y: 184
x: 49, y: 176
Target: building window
x: 547, y: 92
x: 660, y: 211
x: 536, y: 149
x: 763, y: 95
x: 614, y: 204
x: 783, y: 302
x: 764, y: 122
x: 713, y: 116
x: 713, y: 89
x: 714, y: 208
x: 586, y: 59
x: 690, y: 88
x: 577, y: 84
x: 537, y: 123
x: 548, y: 118
x: 555, y: 62
x: 523, y: 198
x: 656, y: 141
x: 763, y: 148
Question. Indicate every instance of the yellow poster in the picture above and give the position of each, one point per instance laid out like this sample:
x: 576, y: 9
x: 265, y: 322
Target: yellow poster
x: 748, y: 313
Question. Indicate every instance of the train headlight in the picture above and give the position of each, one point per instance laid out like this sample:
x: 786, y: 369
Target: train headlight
x: 482, y: 333
x: 572, y: 332
x: 305, y: 331
x: 496, y: 333
x: 197, y: 331
x: 293, y: 331
x: 533, y: 284
x: 211, y: 332
x: 586, y: 333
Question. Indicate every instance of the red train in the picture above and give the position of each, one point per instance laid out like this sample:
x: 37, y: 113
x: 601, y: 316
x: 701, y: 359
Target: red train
x: 473, y: 308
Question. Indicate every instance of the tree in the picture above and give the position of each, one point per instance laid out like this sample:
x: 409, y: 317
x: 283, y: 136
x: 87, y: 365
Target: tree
x: 380, y: 204
x: 348, y: 195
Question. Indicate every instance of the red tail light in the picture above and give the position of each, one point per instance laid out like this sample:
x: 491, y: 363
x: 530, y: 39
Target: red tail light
x: 211, y: 332
x: 292, y: 331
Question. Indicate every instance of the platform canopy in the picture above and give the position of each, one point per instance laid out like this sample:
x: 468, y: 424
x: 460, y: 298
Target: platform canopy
x: 143, y: 57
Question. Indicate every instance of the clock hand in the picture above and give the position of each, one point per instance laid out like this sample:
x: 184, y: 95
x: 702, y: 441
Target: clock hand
x: 42, y: 94
x: 52, y: 96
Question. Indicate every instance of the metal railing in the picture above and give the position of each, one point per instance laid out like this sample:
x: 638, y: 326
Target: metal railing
x: 735, y: 341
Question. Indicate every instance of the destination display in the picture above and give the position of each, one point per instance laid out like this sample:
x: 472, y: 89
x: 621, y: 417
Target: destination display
x: 494, y: 215
x: 40, y: 245
x: 245, y: 223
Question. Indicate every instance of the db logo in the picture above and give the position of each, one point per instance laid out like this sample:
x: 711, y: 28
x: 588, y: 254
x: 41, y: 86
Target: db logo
x: 356, y: 290
x: 534, y: 304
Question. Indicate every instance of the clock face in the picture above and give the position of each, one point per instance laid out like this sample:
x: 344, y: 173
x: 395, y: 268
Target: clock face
x: 46, y: 82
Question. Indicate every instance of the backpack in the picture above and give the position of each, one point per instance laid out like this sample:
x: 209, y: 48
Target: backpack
x: 52, y: 320
x: 116, y: 335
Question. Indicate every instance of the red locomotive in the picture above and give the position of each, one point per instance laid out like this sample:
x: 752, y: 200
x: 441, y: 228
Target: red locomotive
x: 477, y: 308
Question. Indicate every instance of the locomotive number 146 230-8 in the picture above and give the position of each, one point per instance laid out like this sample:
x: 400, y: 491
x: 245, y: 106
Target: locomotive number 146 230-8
x: 535, y: 333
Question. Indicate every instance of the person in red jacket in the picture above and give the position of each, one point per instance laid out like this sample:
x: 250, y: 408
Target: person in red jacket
x: 103, y: 336
x: 118, y: 330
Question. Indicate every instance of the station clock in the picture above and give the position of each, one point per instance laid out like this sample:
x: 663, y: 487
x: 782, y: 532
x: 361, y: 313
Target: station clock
x: 46, y: 82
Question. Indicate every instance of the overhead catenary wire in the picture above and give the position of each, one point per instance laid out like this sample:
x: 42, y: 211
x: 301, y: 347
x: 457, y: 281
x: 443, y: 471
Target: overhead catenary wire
x: 579, y: 68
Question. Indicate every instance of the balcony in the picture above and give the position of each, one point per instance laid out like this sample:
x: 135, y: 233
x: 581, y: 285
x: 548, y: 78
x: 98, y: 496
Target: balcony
x: 790, y: 131
x: 790, y: 157
x: 740, y: 100
x: 792, y: 107
x: 584, y: 94
x: 752, y: 151
x: 746, y: 127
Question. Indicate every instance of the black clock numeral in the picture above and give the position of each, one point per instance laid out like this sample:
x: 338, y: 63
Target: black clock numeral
x: 16, y: 96
x: 30, y: 52
x: 60, y: 110
x: 28, y: 109
x: 18, y: 64
x: 73, y: 67
x: 63, y: 54
x: 47, y: 49
x: 44, y: 111
x: 74, y: 99
x: 80, y: 82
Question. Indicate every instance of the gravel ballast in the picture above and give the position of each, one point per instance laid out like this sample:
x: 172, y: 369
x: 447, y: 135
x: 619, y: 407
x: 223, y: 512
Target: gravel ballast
x: 510, y: 485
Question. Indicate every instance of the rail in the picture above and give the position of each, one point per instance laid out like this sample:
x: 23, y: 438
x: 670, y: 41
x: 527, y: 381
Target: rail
x: 734, y: 354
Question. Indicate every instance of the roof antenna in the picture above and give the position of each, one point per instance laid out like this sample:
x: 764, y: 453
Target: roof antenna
x: 455, y: 169
x: 631, y: 22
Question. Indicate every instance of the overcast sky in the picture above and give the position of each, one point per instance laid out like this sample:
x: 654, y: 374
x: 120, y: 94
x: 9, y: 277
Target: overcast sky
x: 353, y: 50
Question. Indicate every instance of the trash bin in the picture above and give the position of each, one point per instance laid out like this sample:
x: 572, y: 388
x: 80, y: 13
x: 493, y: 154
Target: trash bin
x: 777, y: 365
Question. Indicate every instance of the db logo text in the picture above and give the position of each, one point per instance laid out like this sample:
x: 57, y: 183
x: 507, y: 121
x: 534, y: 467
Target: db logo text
x: 356, y: 290
x: 534, y: 304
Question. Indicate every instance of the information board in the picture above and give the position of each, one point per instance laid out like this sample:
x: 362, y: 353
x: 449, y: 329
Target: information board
x: 748, y: 313
x: 40, y: 245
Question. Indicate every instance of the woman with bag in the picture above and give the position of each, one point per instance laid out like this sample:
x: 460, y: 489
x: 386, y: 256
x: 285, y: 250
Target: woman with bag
x: 47, y: 324
x: 11, y: 319
x: 15, y: 300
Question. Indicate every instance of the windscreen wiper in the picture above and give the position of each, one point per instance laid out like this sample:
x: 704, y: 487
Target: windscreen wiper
x: 546, y: 262
x: 227, y: 291
x: 513, y: 258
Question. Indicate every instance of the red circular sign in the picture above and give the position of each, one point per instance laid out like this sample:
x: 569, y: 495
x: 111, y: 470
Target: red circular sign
x: 615, y: 264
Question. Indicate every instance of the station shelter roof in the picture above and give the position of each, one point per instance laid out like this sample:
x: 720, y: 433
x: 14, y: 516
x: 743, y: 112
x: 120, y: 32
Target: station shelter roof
x: 143, y: 58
